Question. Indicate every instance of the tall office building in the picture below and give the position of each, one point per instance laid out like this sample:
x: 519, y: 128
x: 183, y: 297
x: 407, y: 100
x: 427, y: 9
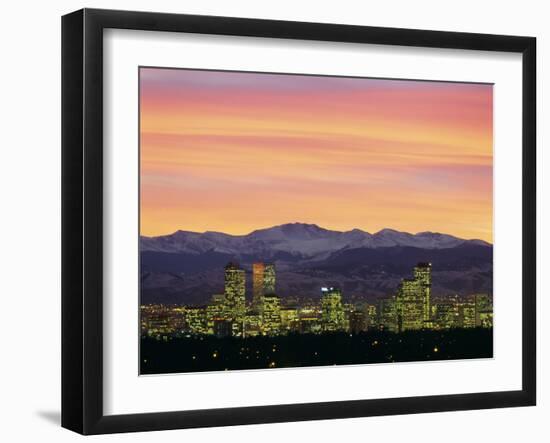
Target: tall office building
x: 234, y: 292
x: 195, y: 319
x: 215, y: 312
x: 332, y: 311
x: 387, y: 316
x: 263, y: 283
x: 447, y: 313
x: 269, y: 278
x: 409, y: 305
x: 412, y: 302
x: 371, y: 316
x: 271, y: 314
x: 423, y: 274
x: 257, y: 284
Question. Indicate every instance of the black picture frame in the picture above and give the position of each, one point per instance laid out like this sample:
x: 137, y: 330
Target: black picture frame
x: 82, y: 219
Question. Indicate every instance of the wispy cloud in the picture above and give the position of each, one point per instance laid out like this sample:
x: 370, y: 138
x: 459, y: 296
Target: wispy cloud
x: 234, y: 151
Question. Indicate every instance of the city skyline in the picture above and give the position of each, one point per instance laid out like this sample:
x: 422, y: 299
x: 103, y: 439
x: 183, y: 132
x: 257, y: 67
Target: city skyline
x: 409, y: 307
x: 235, y: 331
x: 234, y: 152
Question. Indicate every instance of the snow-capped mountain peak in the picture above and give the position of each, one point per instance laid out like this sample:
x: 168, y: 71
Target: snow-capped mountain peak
x: 306, y: 240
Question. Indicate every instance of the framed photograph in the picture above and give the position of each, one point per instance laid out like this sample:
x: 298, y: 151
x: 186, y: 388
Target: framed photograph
x: 268, y: 221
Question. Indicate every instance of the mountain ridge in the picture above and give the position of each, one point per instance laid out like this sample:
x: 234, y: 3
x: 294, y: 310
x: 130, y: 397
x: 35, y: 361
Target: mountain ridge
x: 303, y: 239
x: 187, y: 267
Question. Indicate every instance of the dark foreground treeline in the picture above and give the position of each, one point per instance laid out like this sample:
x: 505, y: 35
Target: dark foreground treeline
x: 208, y: 353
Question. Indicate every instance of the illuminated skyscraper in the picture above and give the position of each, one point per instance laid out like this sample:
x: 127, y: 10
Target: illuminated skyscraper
x: 234, y: 292
x: 447, y: 313
x: 257, y: 284
x: 195, y: 319
x: 269, y: 278
x: 413, y: 299
x: 409, y: 305
x: 423, y: 274
x: 263, y: 283
x: 332, y: 311
x: 271, y: 314
x: 215, y: 312
x: 371, y: 316
x: 387, y: 316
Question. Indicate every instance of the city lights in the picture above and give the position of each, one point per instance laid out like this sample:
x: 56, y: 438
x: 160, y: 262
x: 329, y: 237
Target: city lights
x: 411, y: 307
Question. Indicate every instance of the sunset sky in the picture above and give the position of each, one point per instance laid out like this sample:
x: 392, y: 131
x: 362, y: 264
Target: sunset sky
x: 235, y: 152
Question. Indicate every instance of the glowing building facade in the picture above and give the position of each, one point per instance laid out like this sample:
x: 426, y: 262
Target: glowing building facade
x: 252, y: 324
x: 271, y: 314
x: 234, y: 297
x: 258, y: 270
x: 411, y: 308
x: 423, y: 275
x: 215, y: 312
x: 467, y: 313
x: 269, y: 279
x: 290, y: 320
x: 195, y: 319
x: 412, y: 303
x: 446, y: 313
x: 387, y: 317
x: 310, y: 320
x: 263, y: 283
x: 332, y: 311
x: 409, y: 305
x: 371, y: 316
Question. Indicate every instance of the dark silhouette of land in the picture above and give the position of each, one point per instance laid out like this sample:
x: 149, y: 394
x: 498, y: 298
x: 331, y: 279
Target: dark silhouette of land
x: 209, y: 353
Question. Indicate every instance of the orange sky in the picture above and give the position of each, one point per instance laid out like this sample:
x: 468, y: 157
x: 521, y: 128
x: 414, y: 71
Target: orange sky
x: 234, y: 152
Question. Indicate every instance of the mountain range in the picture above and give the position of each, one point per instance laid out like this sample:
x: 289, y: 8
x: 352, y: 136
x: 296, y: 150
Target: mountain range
x: 306, y: 240
x: 187, y: 267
